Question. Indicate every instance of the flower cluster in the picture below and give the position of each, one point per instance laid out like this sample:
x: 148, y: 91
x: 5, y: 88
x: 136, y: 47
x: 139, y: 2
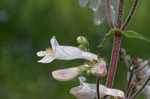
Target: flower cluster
x: 95, y: 66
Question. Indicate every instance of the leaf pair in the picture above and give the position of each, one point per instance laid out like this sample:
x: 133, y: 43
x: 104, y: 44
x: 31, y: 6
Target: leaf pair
x: 128, y: 34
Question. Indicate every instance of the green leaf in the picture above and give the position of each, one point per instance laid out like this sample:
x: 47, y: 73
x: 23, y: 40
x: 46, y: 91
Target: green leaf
x: 133, y: 34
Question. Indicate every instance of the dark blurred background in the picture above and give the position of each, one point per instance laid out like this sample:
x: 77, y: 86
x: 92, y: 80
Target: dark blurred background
x: 26, y: 27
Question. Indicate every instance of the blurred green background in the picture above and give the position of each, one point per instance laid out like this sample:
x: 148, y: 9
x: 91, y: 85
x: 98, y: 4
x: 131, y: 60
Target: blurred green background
x: 26, y: 27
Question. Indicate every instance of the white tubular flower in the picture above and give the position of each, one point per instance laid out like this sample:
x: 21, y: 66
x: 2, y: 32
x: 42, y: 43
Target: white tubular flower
x: 65, y: 74
x: 64, y: 53
x: 88, y: 91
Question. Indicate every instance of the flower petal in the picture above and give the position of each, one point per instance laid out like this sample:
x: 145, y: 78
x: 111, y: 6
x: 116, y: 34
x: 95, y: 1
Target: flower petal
x: 89, y: 56
x: 65, y: 74
x: 54, y: 43
x: 83, y: 92
x: 40, y: 53
x: 88, y: 91
x: 64, y: 53
x: 68, y: 53
x: 46, y: 59
x: 115, y: 93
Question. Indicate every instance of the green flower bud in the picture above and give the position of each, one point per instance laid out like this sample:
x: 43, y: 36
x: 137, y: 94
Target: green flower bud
x: 82, y: 40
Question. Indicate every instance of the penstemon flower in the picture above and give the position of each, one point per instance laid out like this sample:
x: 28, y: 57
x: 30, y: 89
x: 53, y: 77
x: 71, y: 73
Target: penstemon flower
x: 88, y: 91
x: 64, y: 53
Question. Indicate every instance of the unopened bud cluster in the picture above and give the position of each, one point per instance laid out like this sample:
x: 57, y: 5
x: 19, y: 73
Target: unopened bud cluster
x: 83, y: 43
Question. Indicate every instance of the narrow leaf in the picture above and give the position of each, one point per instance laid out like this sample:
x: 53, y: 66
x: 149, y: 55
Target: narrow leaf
x: 133, y: 34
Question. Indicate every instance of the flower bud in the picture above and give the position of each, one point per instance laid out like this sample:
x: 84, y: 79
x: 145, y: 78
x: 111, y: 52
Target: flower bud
x: 99, y: 69
x: 65, y: 74
x: 82, y: 40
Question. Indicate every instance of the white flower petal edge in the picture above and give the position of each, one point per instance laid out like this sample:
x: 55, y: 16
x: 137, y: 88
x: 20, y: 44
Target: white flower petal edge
x: 114, y: 92
x: 46, y: 59
x: 88, y: 91
x: 65, y: 74
x: 64, y: 53
x: 54, y: 43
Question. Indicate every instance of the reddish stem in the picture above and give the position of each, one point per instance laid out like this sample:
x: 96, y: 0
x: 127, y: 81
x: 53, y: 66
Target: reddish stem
x: 97, y: 88
x: 129, y: 90
x: 130, y: 15
x: 113, y: 62
x: 116, y: 46
x: 129, y: 82
x: 109, y: 14
x: 141, y: 67
x: 138, y: 92
x: 120, y: 13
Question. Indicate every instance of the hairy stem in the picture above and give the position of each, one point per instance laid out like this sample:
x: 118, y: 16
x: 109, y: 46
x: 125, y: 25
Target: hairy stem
x: 138, y: 92
x: 113, y: 62
x: 130, y: 15
x: 116, y: 48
